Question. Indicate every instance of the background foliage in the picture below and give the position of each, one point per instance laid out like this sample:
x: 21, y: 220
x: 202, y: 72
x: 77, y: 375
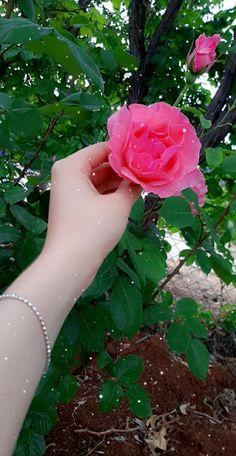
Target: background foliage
x: 65, y: 66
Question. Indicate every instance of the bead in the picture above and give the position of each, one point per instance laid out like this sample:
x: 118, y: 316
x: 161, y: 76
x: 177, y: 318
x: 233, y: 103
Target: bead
x: 41, y: 321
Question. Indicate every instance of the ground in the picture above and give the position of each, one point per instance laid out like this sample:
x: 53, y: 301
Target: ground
x: 190, y: 417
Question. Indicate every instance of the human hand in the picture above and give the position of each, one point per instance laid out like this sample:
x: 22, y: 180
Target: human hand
x: 89, y: 205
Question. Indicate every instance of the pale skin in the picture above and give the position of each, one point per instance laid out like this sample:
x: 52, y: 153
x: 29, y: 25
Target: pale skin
x: 88, y: 213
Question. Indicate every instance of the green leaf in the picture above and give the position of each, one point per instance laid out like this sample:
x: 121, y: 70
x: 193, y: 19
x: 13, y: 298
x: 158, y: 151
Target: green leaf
x: 24, y: 119
x: 109, y: 60
x: 28, y: 250
x: 67, y: 388
x: 84, y: 100
x: 149, y: 261
x: 43, y: 420
x: 105, y: 277
x: 8, y: 234
x: 126, y: 60
x: 177, y: 212
x: 91, y: 329
x: 186, y: 307
x: 196, y: 327
x: 73, y: 58
x: 156, y: 313
x: 178, y: 337
x: 128, y: 368
x: 5, y: 100
x: 127, y: 270
x: 229, y: 164
x: 203, y: 261
x: 205, y: 123
x: 27, y: 7
x: 110, y: 395
x: 4, y: 134
x: 29, y: 221
x: 138, y: 401
x: 15, y: 194
x: 214, y: 157
x: 197, y: 358
x: 221, y: 267
x: 233, y: 206
x: 103, y: 359
x: 30, y: 444
x: 137, y: 210
x: 126, y: 307
x: 20, y: 31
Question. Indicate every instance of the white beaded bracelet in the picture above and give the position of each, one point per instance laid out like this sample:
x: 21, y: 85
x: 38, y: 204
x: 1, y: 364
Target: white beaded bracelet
x: 41, y: 321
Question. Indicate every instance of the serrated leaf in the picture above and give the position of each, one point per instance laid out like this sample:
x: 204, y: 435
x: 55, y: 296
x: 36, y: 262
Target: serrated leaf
x: 103, y: 358
x: 91, y: 329
x: 197, y: 358
x: 205, y: 123
x: 203, y: 261
x: 8, y: 234
x: 20, y: 31
x: 196, y: 327
x: 67, y: 388
x: 126, y: 307
x: 27, y: 7
x: 28, y: 251
x: 214, y: 157
x: 105, y: 277
x: 110, y: 395
x: 138, y: 400
x: 177, y: 212
x: 29, y: 221
x: 15, y: 194
x: 178, y: 337
x: 156, y: 313
x: 126, y: 269
x: 186, y: 307
x: 24, y: 119
x: 42, y: 421
x: 221, y: 267
x: 72, y: 57
x: 30, y: 444
x: 128, y: 368
x: 229, y: 164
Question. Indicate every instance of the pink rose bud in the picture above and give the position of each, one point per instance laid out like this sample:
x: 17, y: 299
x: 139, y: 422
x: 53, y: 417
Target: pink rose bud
x: 203, y: 56
x: 157, y: 147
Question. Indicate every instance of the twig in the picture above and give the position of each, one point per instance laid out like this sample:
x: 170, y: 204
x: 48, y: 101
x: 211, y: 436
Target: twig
x: 9, y: 8
x: 205, y: 415
x: 94, y: 448
x: 202, y: 238
x: 41, y: 144
x: 108, y: 431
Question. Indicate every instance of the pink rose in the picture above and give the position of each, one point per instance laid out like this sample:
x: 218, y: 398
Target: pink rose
x: 196, y: 181
x: 154, y: 146
x: 203, y: 56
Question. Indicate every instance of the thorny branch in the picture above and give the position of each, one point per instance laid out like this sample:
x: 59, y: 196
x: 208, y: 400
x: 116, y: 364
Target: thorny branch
x: 43, y: 141
x: 203, y: 236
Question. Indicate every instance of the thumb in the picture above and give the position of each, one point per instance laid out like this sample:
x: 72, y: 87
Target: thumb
x: 129, y: 191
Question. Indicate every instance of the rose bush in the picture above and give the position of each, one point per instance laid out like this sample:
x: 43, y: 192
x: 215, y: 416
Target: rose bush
x: 203, y: 56
x: 157, y: 147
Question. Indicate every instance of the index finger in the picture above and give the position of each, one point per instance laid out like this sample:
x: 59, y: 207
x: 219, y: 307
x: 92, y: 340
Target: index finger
x: 92, y: 156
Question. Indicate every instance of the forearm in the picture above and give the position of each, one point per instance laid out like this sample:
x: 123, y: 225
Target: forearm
x: 52, y: 283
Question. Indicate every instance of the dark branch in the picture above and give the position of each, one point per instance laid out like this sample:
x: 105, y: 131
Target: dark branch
x: 219, y: 130
x: 163, y: 28
x: 137, y: 19
x: 9, y: 8
x: 138, y: 86
x: 43, y: 141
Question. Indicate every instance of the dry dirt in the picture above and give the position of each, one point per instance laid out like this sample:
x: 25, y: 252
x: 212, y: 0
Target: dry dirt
x: 193, y: 418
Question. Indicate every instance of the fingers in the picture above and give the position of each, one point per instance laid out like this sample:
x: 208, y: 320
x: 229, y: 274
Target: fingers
x: 90, y: 157
x: 128, y: 192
